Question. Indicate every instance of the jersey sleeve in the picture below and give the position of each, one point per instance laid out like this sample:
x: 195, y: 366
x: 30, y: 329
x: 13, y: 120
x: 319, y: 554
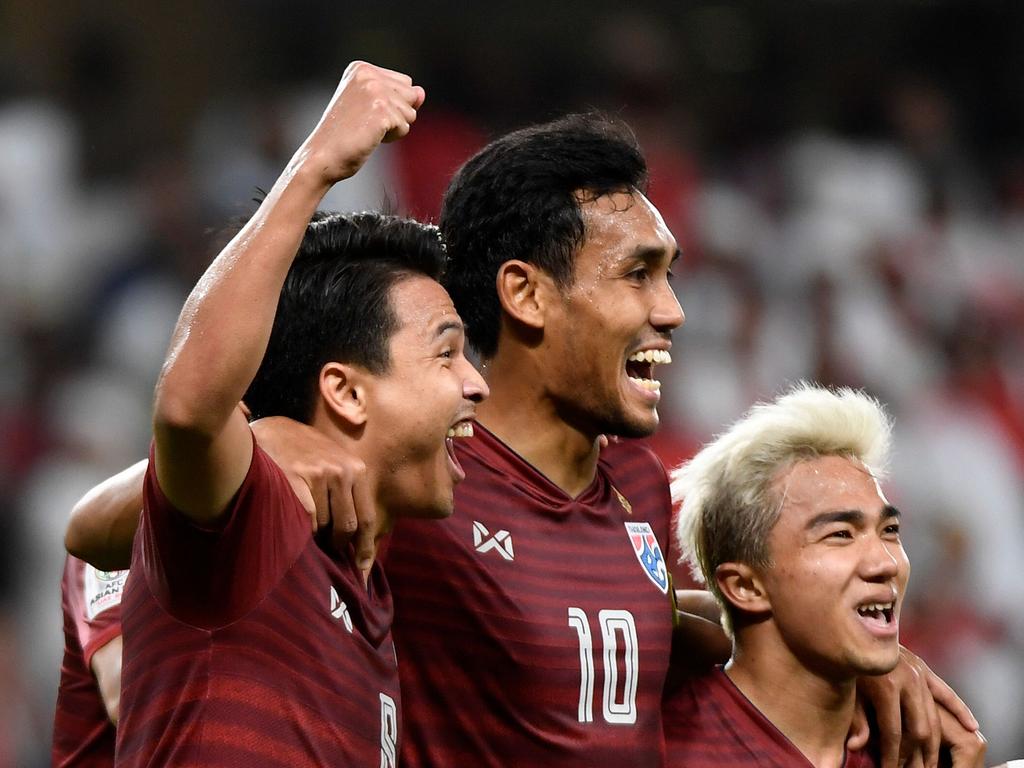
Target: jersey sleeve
x: 93, y: 602
x: 210, y: 576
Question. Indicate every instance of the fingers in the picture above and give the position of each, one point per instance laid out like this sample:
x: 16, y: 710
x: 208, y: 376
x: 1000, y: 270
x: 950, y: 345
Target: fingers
x: 946, y: 697
x: 402, y: 115
x: 365, y: 541
x: 860, y: 731
x: 304, y: 493
x: 352, y: 512
x: 371, y: 105
x: 342, y: 510
x: 920, y: 716
x: 883, y: 693
x: 966, y: 747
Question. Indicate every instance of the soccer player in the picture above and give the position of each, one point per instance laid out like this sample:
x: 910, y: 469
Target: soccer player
x: 542, y: 634
x: 247, y: 641
x: 784, y: 518
x: 90, y: 676
x: 535, y: 624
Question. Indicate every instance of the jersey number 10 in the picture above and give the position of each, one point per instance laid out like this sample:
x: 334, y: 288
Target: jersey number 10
x: 619, y: 702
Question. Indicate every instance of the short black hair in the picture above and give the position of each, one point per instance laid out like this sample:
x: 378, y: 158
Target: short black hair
x: 516, y: 199
x: 335, y: 305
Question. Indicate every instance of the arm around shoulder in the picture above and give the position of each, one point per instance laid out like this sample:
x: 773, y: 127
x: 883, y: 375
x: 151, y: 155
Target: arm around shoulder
x: 104, y: 520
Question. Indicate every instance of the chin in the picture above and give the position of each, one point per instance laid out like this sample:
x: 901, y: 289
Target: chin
x: 877, y: 664
x: 633, y: 426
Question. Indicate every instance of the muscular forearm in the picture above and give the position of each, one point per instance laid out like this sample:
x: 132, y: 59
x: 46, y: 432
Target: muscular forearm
x: 224, y: 327
x: 103, y: 522
x: 202, y: 442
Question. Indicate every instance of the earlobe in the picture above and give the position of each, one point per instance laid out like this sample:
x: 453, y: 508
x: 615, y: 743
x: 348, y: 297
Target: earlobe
x: 522, y: 290
x: 742, y: 586
x: 344, y: 391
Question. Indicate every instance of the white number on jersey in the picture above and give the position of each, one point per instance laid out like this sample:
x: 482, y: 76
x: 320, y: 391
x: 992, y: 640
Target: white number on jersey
x: 619, y: 704
x: 388, y: 732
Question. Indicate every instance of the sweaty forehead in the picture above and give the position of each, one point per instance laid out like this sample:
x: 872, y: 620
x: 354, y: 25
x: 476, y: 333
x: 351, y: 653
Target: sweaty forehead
x: 625, y: 219
x: 422, y: 305
x: 828, y: 481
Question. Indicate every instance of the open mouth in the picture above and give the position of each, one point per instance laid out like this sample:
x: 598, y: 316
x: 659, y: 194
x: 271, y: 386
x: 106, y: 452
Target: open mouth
x: 880, y: 617
x: 640, y: 367
x: 458, y: 430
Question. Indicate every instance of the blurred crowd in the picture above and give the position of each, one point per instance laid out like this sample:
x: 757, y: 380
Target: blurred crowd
x: 890, y: 259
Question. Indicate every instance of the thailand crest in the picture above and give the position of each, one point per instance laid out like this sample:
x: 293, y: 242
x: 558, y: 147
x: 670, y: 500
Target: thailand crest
x: 648, y: 552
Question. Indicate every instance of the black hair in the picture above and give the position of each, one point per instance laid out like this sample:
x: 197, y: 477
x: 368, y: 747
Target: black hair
x: 517, y: 199
x: 335, y: 305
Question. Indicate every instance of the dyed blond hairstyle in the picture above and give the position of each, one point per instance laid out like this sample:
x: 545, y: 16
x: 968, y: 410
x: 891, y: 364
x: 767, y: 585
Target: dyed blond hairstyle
x: 728, y: 505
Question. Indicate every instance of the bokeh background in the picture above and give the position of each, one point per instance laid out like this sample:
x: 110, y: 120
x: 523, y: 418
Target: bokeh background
x: 846, y: 180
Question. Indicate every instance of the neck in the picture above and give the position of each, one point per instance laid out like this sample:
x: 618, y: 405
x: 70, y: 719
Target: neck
x: 815, y: 713
x: 519, y: 412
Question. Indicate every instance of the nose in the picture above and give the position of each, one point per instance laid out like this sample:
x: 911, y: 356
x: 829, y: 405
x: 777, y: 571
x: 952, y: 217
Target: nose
x: 882, y: 560
x: 667, y: 314
x: 474, y: 387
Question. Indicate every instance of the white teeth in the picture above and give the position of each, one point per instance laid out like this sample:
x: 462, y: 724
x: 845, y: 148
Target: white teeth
x: 874, y: 607
x: 652, y: 384
x: 462, y: 429
x: 658, y: 356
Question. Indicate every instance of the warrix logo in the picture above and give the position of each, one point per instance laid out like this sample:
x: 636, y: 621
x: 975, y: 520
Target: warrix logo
x: 339, y: 610
x: 500, y: 542
x: 647, y: 551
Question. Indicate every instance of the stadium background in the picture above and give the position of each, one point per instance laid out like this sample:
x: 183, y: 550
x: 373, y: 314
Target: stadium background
x: 846, y: 180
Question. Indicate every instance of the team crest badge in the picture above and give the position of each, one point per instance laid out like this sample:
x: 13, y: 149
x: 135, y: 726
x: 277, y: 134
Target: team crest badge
x: 648, y: 552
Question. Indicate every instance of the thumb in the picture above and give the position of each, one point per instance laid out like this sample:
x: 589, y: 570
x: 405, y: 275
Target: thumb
x: 305, y: 497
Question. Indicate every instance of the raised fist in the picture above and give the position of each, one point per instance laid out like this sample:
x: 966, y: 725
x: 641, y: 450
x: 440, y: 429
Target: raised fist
x: 371, y: 105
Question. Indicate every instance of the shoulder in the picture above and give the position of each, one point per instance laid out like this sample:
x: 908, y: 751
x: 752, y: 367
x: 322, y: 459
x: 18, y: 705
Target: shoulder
x: 623, y: 458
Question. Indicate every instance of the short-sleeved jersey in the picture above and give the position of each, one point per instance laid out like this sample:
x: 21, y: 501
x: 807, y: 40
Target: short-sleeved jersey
x: 91, y: 600
x: 247, y: 644
x: 533, y: 628
x: 709, y: 723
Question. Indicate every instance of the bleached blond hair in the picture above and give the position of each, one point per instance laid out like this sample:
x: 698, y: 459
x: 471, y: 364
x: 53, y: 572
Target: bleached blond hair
x: 726, y: 492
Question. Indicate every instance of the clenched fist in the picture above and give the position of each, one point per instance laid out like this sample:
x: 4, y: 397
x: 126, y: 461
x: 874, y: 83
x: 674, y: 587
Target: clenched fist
x: 371, y: 105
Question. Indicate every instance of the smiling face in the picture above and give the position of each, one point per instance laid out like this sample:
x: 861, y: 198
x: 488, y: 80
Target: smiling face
x: 613, y: 324
x: 425, y: 400
x: 839, y: 570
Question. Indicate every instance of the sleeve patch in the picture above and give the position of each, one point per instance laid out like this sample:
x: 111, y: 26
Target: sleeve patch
x: 102, y: 590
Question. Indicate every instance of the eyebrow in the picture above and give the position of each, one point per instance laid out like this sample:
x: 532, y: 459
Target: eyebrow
x: 851, y: 516
x: 447, y: 325
x: 650, y: 254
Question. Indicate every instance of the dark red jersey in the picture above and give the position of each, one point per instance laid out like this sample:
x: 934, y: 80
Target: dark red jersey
x: 534, y: 629
x: 82, y: 732
x: 247, y: 645
x: 709, y: 723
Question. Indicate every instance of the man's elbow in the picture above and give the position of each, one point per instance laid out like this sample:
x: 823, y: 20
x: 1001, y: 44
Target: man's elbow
x: 184, y: 419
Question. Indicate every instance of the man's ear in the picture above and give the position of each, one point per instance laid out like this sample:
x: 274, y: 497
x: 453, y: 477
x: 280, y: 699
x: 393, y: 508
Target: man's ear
x: 344, y: 389
x: 742, y: 587
x: 524, y: 291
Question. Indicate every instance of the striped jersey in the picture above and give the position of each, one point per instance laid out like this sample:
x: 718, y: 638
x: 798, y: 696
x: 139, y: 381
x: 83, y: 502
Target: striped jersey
x: 709, y: 723
x: 91, y: 600
x: 248, y: 645
x: 533, y: 628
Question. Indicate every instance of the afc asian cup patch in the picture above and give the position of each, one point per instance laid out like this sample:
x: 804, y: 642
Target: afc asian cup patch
x: 102, y: 590
x: 648, y: 552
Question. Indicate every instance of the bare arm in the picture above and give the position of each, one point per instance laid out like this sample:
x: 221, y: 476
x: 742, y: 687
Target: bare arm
x: 106, y: 666
x: 699, y: 602
x: 103, y: 522
x: 203, y: 443
x: 329, y: 482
